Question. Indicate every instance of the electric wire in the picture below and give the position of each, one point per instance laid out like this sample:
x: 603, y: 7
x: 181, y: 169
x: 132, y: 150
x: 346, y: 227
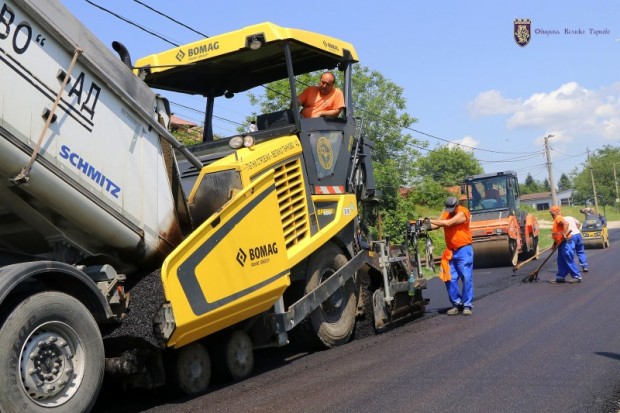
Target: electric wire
x: 170, y: 18
x: 130, y: 22
x: 526, y: 155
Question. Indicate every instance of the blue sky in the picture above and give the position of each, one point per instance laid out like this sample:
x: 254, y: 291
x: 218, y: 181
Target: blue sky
x: 464, y: 77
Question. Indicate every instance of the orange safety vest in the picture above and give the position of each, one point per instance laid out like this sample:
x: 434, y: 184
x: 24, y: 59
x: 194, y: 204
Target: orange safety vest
x: 444, y: 268
x: 458, y: 236
x: 558, y: 229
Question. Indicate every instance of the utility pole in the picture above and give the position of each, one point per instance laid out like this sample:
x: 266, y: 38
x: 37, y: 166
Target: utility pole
x: 554, y: 198
x: 616, y: 183
x: 592, y: 178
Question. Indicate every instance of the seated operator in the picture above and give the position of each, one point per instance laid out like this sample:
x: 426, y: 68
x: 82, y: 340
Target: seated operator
x: 323, y: 100
x: 490, y: 192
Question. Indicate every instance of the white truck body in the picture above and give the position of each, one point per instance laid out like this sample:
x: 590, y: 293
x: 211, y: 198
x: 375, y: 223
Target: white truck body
x: 97, y: 186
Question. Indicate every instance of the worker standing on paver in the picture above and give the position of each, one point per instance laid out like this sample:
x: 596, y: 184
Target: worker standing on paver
x: 565, y: 246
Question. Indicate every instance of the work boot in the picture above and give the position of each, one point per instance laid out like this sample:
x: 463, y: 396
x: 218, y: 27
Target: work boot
x: 453, y: 311
x: 467, y: 311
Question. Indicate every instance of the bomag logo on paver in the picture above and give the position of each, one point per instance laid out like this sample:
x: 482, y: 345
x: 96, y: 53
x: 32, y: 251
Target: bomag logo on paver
x: 258, y: 255
x: 195, y: 52
x: 331, y: 46
x: 241, y: 257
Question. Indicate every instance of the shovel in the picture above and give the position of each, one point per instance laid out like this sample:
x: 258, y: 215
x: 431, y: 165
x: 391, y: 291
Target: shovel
x: 521, y: 264
x: 534, y: 274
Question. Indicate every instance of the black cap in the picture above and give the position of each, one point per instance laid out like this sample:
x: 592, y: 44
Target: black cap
x: 451, y: 204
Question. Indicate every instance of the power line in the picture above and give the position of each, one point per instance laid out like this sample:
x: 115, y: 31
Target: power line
x: 526, y: 154
x: 472, y: 147
x: 202, y: 112
x: 170, y: 18
x: 567, y: 155
x: 449, y: 141
x: 130, y: 22
x: 516, y: 159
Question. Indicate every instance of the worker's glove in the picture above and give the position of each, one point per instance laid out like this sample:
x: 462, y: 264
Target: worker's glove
x: 427, y: 224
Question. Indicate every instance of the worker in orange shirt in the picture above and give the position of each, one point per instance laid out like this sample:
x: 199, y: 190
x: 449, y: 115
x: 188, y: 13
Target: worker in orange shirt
x: 457, y: 261
x: 323, y: 100
x: 565, y: 246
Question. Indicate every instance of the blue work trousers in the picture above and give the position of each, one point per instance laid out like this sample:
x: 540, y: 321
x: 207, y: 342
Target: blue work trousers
x: 580, y: 250
x: 566, y: 261
x: 462, y: 268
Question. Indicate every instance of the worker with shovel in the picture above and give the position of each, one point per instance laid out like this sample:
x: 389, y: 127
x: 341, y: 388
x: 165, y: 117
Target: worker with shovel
x: 564, y: 244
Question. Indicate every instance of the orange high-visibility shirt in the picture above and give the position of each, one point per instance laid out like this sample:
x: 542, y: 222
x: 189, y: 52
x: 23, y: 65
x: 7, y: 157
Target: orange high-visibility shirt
x: 558, y: 229
x: 459, y: 235
x: 313, y: 102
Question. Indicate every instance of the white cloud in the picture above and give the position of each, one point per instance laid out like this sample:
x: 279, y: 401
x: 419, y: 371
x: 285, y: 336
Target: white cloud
x: 571, y: 111
x: 491, y: 103
x: 468, y: 143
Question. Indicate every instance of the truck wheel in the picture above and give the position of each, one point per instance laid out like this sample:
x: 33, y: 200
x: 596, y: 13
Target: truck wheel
x: 234, y: 358
x: 52, y: 358
x: 333, y: 321
x: 190, y: 371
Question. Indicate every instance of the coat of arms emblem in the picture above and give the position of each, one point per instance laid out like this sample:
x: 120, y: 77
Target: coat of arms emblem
x: 522, y: 31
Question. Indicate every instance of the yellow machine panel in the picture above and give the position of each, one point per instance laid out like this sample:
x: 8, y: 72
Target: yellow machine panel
x: 237, y: 40
x: 233, y: 267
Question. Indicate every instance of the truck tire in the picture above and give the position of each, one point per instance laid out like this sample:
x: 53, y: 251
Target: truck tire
x: 234, y: 356
x: 189, y: 372
x: 52, y: 358
x: 331, y: 324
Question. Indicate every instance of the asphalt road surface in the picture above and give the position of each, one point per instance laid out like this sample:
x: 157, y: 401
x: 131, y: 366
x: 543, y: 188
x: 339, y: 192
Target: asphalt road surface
x: 529, y: 347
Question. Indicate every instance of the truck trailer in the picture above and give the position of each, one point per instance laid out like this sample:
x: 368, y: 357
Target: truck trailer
x: 126, y: 253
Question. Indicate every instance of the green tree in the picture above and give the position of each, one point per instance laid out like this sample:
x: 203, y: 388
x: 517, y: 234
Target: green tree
x: 436, y: 172
x: 415, y: 203
x: 599, y: 167
x: 530, y: 186
x: 380, y: 108
x: 447, y: 166
x: 546, y: 186
x: 564, y: 183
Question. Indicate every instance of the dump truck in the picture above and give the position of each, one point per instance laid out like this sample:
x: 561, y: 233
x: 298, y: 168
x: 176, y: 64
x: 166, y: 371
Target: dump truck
x: 502, y: 232
x: 127, y: 254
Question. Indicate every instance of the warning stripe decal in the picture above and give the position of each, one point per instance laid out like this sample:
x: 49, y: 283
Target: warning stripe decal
x: 329, y: 190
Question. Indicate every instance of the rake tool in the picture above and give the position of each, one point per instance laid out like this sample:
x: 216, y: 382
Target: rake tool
x: 534, y: 274
x: 521, y: 264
